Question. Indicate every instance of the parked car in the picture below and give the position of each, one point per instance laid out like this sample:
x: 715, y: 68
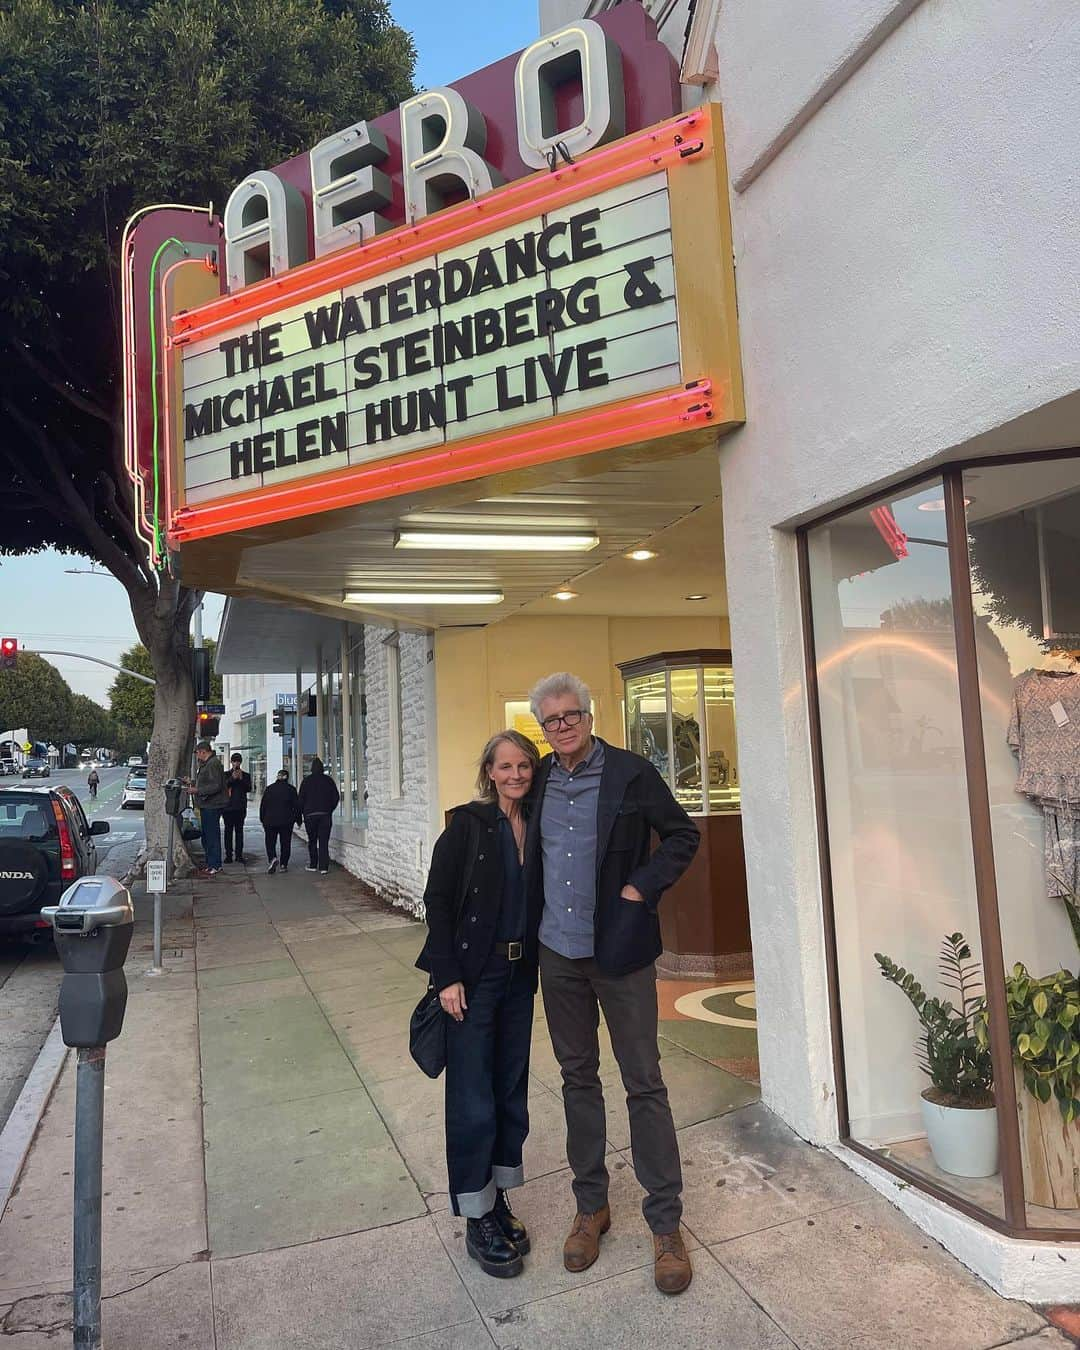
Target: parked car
x: 134, y: 793
x: 36, y: 767
x: 136, y: 762
x: 8, y: 766
x: 46, y: 843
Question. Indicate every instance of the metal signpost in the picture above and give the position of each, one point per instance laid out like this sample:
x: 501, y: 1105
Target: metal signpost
x: 156, y: 884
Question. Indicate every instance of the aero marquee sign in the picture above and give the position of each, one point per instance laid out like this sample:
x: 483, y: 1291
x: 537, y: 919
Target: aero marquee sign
x: 559, y: 313
x: 584, y: 306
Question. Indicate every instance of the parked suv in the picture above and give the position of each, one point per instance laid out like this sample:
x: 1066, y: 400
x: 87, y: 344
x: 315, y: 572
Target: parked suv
x: 134, y: 793
x: 46, y: 843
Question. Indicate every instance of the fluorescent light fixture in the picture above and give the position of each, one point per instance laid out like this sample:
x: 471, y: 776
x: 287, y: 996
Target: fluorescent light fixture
x: 641, y: 554
x: 475, y: 541
x: 564, y: 594
x: 423, y: 597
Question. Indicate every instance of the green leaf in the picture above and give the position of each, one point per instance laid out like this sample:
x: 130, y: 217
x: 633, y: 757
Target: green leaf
x: 1040, y: 1003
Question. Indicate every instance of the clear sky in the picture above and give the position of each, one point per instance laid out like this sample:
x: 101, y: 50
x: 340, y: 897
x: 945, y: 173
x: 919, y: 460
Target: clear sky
x: 45, y: 607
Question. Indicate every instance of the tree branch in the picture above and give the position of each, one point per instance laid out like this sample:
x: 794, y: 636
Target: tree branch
x: 75, y: 508
x: 81, y: 402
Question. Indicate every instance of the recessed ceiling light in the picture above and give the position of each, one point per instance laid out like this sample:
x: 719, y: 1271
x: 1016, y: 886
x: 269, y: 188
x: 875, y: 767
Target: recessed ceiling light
x: 695, y: 597
x: 641, y: 554
x: 477, y: 541
x: 938, y: 504
x: 565, y: 594
x: 423, y: 597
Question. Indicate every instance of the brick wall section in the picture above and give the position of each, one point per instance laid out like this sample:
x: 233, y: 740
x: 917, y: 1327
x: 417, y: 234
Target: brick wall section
x: 389, y: 860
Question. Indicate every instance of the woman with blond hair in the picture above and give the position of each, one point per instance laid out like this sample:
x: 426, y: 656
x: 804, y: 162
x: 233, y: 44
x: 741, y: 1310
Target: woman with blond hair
x: 482, y: 958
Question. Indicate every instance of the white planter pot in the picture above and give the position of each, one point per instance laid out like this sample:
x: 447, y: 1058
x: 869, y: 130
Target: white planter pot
x: 964, y: 1141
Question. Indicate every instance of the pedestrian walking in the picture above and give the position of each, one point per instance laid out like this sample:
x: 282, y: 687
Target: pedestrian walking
x: 238, y: 785
x: 319, y: 797
x: 483, y: 963
x: 92, y: 782
x: 279, y: 812
x: 589, y: 856
x: 211, y: 796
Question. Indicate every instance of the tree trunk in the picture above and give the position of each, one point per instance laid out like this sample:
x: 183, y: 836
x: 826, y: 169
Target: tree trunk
x: 163, y: 623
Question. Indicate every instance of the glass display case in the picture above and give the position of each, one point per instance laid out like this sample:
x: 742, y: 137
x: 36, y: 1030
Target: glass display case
x: 680, y: 716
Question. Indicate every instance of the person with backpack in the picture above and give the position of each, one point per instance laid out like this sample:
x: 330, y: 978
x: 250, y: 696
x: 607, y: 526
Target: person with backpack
x: 92, y: 782
x: 318, y: 798
x: 279, y: 812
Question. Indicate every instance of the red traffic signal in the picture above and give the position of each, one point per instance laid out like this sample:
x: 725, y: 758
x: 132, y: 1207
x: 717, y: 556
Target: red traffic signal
x: 9, y: 651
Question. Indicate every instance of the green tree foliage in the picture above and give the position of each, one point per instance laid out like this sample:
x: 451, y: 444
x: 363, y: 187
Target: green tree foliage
x: 90, y: 723
x: 107, y: 106
x: 35, y: 695
x: 131, y: 702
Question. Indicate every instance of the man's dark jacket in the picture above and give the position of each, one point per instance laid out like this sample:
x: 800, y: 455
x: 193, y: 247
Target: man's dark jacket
x: 319, y: 795
x: 210, y: 790
x: 280, y: 806
x: 633, y: 802
x: 463, y: 898
x: 238, y: 790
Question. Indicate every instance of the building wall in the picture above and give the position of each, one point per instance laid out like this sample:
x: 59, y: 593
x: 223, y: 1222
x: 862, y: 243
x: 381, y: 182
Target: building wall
x: 903, y: 211
x: 477, y: 670
x: 395, y: 852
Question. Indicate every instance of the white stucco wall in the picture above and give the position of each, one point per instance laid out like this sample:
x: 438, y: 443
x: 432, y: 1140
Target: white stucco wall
x: 394, y: 856
x: 906, y: 273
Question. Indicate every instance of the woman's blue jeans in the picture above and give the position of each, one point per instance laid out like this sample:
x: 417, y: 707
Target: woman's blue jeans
x: 487, y: 1087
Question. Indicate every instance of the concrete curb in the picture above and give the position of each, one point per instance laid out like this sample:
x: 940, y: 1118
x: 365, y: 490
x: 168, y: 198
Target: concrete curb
x: 18, y: 1134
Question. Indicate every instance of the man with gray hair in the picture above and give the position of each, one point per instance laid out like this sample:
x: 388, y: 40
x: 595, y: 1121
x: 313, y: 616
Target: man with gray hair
x: 588, y: 855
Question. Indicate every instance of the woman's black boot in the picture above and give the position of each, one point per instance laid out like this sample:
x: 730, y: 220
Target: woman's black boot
x: 512, y: 1227
x: 487, y: 1245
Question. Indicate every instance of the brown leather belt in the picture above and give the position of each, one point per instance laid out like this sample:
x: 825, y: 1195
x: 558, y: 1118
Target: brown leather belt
x: 513, y: 951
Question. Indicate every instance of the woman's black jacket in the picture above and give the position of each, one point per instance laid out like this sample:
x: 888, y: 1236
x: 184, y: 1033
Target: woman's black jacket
x: 463, y: 897
x: 318, y: 795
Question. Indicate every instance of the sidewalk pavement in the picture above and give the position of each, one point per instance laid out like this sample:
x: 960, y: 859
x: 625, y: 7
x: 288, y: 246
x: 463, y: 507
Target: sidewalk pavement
x: 274, y: 1177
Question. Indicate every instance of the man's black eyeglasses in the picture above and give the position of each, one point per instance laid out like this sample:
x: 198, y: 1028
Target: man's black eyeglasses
x: 567, y: 719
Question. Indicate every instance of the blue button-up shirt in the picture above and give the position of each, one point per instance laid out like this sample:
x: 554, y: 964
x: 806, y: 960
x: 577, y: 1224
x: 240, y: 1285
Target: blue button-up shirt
x: 568, y: 846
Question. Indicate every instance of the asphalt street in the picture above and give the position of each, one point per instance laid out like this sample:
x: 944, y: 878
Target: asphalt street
x: 30, y: 976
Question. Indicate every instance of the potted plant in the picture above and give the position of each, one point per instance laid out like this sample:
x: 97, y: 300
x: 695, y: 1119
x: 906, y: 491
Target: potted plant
x: 958, y: 1107
x: 1044, y: 1029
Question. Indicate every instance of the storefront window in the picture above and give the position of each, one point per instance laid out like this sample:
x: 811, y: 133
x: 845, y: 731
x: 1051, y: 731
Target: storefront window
x: 357, y: 796
x: 905, y: 825
x: 680, y: 716
x: 899, y: 840
x: 1024, y: 542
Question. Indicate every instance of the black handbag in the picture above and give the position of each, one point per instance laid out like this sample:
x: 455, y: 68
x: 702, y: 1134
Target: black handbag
x: 427, y: 1034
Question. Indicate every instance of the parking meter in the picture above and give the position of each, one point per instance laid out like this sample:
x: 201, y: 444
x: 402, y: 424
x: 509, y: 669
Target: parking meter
x: 175, y: 796
x: 92, y: 924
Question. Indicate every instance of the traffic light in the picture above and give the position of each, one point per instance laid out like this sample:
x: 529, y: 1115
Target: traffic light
x: 9, y: 652
x: 279, y: 721
x: 208, y: 725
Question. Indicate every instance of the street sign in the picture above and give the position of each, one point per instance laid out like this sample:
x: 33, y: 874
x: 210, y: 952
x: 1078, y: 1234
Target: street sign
x: 27, y: 746
x: 155, y: 875
x: 214, y: 709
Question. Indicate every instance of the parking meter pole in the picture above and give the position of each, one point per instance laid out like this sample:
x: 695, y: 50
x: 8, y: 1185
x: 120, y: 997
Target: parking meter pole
x: 89, y: 1130
x: 92, y: 928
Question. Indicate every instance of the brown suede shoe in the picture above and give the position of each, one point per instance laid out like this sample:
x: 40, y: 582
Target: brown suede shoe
x: 582, y: 1247
x: 673, y: 1271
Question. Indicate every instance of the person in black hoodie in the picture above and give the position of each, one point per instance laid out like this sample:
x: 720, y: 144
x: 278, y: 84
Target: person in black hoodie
x: 238, y: 786
x: 481, y: 954
x: 279, y: 811
x: 318, y: 801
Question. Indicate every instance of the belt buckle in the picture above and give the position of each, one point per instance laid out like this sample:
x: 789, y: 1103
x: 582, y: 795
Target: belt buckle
x: 514, y: 951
